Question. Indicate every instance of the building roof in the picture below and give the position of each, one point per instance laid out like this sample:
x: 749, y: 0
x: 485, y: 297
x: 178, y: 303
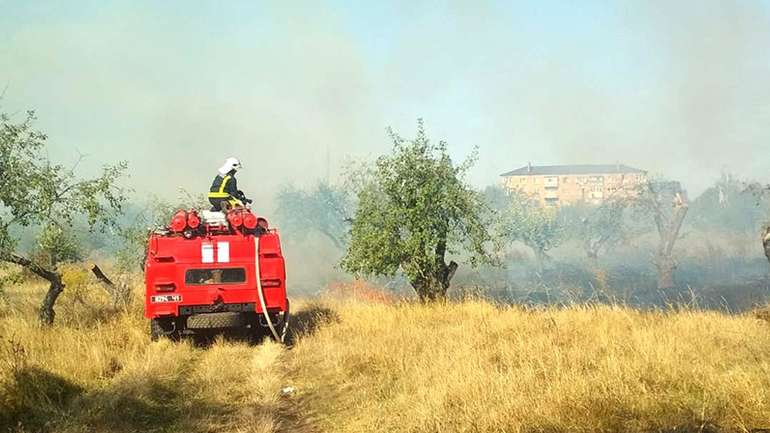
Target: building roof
x: 572, y: 169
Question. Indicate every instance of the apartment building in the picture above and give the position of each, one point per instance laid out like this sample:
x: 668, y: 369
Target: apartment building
x: 565, y: 185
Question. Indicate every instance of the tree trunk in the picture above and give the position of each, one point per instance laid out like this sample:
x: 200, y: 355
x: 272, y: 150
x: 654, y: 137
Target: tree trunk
x: 430, y: 291
x: 47, y: 312
x: 668, y: 229
x: 593, y: 257
x: 120, y: 293
x: 666, y: 267
x: 592, y: 247
x: 766, y: 241
x: 435, y: 287
x: 592, y: 254
x: 540, y: 258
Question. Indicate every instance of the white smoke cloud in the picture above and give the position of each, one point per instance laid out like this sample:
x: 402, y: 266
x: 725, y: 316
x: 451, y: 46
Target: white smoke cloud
x: 294, y: 90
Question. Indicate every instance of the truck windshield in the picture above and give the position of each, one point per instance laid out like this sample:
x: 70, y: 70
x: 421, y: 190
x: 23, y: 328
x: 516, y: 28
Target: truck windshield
x: 215, y: 276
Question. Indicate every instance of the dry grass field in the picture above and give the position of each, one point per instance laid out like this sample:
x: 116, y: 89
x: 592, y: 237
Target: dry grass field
x: 96, y: 371
x: 379, y: 366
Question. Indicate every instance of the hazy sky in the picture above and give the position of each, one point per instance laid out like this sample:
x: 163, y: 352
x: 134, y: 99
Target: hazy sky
x: 174, y: 87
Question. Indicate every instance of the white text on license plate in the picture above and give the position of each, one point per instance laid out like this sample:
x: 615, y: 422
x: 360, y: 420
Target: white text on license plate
x: 159, y: 299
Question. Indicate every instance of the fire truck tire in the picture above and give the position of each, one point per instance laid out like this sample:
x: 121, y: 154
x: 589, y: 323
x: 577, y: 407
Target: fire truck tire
x: 285, y: 326
x: 285, y: 323
x: 281, y: 327
x: 216, y: 321
x: 163, y: 328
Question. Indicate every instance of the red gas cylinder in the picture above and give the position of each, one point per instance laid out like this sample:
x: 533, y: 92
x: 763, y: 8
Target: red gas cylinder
x: 249, y: 220
x: 235, y: 218
x: 179, y: 221
x: 193, y: 220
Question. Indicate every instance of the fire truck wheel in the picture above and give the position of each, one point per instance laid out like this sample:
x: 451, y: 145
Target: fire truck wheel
x: 257, y: 335
x: 281, y: 327
x: 163, y: 328
x: 283, y: 333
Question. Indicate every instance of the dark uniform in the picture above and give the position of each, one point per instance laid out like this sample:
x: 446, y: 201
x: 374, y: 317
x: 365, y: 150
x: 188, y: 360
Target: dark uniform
x: 224, y: 192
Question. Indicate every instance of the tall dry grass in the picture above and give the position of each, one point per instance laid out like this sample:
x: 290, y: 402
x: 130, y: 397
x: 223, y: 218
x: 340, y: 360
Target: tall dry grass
x: 97, y: 371
x: 474, y: 367
x: 382, y: 366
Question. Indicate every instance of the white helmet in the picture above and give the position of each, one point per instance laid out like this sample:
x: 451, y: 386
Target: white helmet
x: 230, y: 164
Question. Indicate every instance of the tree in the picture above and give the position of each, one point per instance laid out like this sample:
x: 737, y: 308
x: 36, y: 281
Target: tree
x: 414, y: 211
x: 326, y: 209
x: 36, y: 193
x: 729, y: 206
x: 603, y: 226
x: 760, y: 192
x: 497, y: 198
x: 133, y: 230
x: 667, y: 202
x: 536, y: 226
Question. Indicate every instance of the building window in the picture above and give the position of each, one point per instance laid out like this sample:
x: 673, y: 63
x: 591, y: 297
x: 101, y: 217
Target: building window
x: 551, y: 201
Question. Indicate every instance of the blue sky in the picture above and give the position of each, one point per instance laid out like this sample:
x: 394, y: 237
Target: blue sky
x: 677, y: 88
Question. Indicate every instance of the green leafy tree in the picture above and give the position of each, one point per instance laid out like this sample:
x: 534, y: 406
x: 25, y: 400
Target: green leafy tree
x: 414, y: 210
x: 538, y: 227
x: 139, y: 219
x: 497, y: 198
x: 133, y: 232
x: 34, y: 192
x: 56, y: 244
x: 326, y: 209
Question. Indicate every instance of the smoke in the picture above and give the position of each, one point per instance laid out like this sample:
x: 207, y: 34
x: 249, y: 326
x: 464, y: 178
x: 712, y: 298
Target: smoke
x: 677, y: 89
x: 683, y: 93
x: 718, y: 95
x: 175, y: 91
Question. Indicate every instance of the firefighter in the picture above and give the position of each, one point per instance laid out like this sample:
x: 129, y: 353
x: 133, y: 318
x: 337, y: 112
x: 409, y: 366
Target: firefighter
x: 224, y: 193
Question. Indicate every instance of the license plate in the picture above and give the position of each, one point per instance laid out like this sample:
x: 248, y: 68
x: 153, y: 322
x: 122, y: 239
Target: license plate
x: 159, y: 299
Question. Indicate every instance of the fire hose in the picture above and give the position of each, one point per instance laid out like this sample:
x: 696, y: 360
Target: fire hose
x: 261, y: 293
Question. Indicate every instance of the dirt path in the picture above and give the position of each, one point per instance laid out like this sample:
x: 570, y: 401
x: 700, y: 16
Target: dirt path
x: 293, y: 413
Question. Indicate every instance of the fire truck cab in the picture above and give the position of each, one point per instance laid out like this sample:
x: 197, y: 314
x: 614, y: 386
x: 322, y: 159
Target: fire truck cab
x: 212, y: 270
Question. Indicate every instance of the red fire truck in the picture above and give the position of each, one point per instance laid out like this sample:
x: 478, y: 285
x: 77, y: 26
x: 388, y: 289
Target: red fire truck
x: 213, y: 270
